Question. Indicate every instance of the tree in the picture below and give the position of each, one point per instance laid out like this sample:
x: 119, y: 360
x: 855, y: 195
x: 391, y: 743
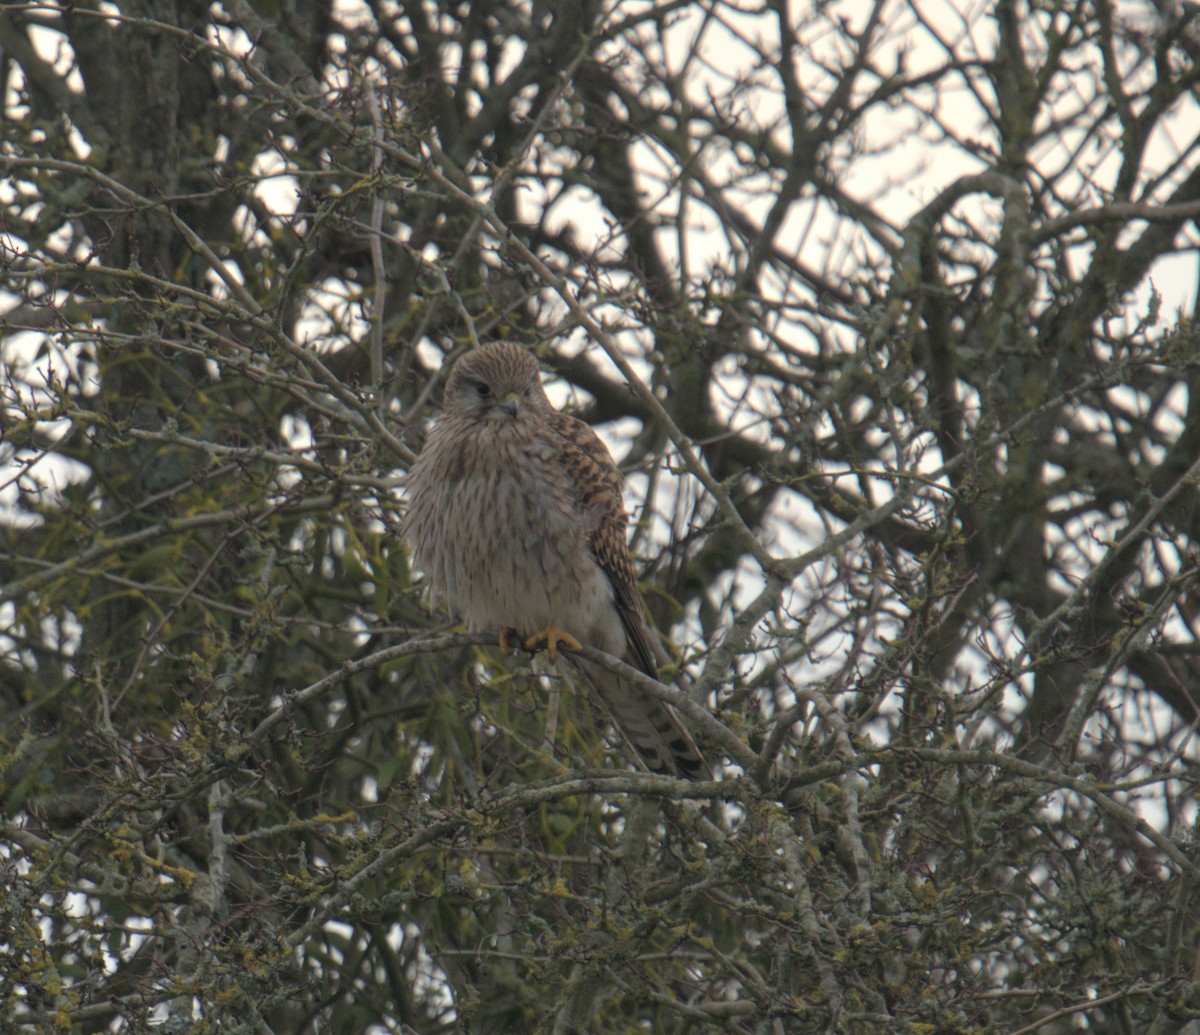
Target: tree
x: 878, y: 306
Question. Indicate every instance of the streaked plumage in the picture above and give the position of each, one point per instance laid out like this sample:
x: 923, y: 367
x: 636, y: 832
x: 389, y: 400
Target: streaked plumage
x: 516, y: 516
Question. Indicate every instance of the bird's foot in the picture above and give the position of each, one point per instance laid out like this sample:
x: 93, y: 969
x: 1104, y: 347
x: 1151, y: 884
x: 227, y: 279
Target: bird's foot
x: 510, y: 639
x: 552, y: 636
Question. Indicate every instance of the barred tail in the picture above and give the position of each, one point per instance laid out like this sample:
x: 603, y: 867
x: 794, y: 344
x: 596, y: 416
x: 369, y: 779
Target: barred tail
x: 649, y: 725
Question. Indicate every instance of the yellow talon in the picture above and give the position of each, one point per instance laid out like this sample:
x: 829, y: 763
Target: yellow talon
x: 552, y: 636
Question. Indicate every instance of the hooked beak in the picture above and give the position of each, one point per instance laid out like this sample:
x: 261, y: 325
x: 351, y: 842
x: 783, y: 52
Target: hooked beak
x: 510, y: 402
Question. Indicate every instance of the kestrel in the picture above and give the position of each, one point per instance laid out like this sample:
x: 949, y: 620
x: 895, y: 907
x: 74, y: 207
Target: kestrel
x: 516, y: 517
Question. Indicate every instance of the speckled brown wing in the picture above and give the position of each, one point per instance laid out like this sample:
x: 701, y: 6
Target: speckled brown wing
x: 651, y: 726
x: 601, y: 497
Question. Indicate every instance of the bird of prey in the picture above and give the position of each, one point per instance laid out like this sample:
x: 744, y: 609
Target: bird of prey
x: 516, y: 517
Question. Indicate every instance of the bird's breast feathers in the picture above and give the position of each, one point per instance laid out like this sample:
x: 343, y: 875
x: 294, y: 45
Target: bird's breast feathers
x: 528, y: 563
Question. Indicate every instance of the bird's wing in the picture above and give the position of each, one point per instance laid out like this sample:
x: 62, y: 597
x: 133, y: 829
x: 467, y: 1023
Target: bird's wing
x: 653, y: 729
x: 598, y: 488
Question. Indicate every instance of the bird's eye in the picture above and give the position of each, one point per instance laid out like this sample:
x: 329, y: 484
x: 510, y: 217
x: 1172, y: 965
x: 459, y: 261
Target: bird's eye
x: 483, y: 389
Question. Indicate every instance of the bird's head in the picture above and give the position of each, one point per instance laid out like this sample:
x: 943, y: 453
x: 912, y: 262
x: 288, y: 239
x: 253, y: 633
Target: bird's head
x: 495, y: 382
